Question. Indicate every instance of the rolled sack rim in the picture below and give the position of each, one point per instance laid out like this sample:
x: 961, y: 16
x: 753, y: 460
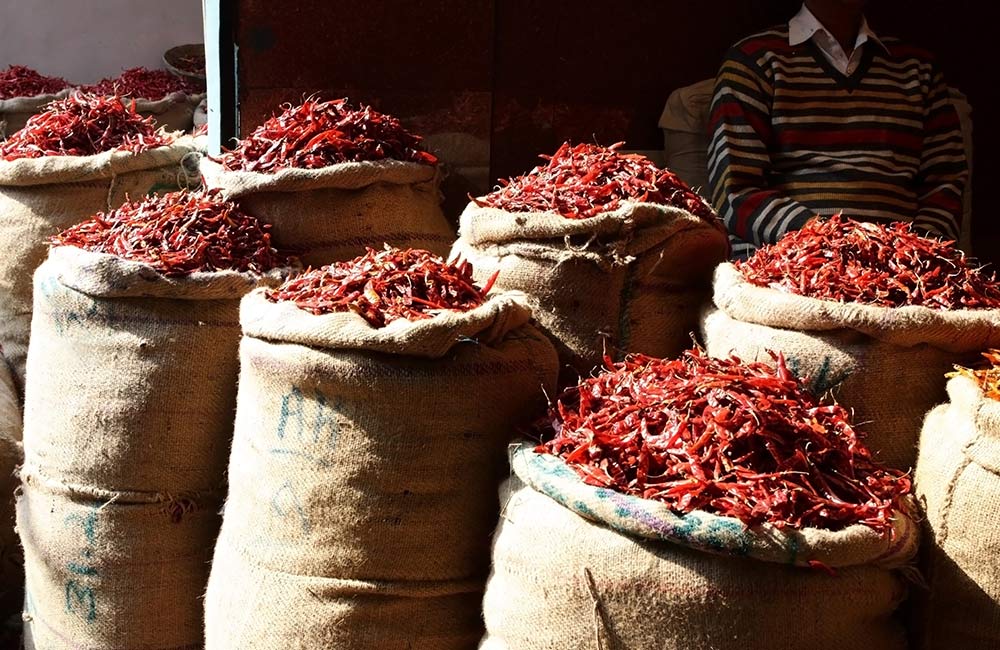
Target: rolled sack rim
x: 103, y: 275
x: 157, y: 106
x: 646, y: 519
x: 967, y: 400
x: 22, y: 104
x: 346, y: 176
x: 433, y: 337
x: 202, y: 500
x: 958, y: 330
x: 59, y: 170
x: 483, y: 225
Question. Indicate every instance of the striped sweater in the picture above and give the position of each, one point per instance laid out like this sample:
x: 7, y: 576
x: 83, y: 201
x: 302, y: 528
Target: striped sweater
x: 792, y: 138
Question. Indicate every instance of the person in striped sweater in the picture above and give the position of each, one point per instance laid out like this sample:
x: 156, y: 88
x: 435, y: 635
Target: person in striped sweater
x: 822, y: 116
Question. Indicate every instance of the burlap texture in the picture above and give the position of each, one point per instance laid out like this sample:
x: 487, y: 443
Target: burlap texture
x: 175, y: 112
x: 40, y: 197
x: 334, y: 213
x: 129, y: 405
x: 958, y: 482
x: 631, y: 280
x: 11, y: 574
x: 132, y: 383
x: 561, y: 581
x: 11, y: 561
x: 16, y: 111
x: 363, y: 476
x: 884, y: 363
x: 103, y: 574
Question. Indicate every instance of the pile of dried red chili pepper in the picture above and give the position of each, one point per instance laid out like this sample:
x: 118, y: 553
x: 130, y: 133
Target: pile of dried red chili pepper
x: 19, y: 81
x: 319, y: 134
x: 179, y: 234
x: 987, y: 376
x: 743, y: 440
x: 383, y: 286
x: 875, y: 264
x: 143, y: 83
x: 588, y: 179
x: 84, y: 125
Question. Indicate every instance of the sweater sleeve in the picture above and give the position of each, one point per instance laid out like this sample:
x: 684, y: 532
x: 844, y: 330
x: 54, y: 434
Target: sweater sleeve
x: 941, y: 179
x: 738, y: 158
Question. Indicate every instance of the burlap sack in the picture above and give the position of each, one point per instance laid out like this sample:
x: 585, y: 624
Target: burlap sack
x: 631, y: 280
x: 129, y: 402
x: 958, y: 482
x: 42, y: 196
x: 105, y: 574
x: 579, y: 567
x: 11, y: 571
x: 334, y: 213
x: 175, y: 112
x: 884, y: 363
x: 363, y: 476
x: 16, y: 111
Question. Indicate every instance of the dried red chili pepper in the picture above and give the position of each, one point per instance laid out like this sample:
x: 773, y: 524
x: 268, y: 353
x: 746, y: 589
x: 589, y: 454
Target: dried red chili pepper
x: 143, y: 83
x: 19, y: 81
x: 588, y: 179
x: 193, y: 63
x: 743, y: 440
x: 875, y: 264
x: 178, y: 234
x: 84, y: 125
x: 383, y: 286
x: 987, y: 376
x: 318, y: 134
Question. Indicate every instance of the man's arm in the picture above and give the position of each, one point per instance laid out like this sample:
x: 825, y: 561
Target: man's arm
x: 738, y: 158
x: 944, y: 170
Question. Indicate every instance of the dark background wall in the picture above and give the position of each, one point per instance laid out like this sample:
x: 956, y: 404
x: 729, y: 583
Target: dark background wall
x: 496, y: 82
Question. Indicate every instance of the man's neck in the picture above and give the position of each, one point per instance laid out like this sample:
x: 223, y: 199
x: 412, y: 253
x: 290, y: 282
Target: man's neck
x: 842, y: 21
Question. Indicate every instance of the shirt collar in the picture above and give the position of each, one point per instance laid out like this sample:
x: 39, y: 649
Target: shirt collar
x: 804, y: 24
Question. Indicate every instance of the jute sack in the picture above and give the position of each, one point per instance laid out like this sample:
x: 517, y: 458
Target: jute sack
x: 129, y: 403
x: 958, y: 482
x: 11, y: 573
x: 578, y: 567
x: 631, y: 280
x: 363, y: 476
x: 334, y: 213
x: 884, y: 363
x: 175, y: 112
x: 41, y: 196
x: 16, y: 111
x: 106, y: 574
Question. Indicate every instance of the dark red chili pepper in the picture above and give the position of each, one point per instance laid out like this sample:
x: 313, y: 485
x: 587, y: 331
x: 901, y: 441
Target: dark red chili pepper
x: 19, y: 81
x: 178, y: 234
x: 383, y: 286
x: 876, y: 264
x: 318, y: 134
x: 143, y: 83
x: 742, y: 440
x: 588, y: 179
x: 84, y: 125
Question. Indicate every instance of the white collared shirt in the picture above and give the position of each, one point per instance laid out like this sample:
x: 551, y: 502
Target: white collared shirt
x: 804, y: 25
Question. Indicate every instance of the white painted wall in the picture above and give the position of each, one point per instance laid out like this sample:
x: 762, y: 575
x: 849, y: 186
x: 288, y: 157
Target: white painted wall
x: 86, y: 40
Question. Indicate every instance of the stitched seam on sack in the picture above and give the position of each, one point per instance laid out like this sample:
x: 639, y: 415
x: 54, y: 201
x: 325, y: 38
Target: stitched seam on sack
x: 950, y: 491
x: 472, y: 583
